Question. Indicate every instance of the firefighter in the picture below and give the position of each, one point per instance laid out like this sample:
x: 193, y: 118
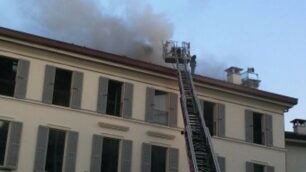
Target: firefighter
x: 193, y: 63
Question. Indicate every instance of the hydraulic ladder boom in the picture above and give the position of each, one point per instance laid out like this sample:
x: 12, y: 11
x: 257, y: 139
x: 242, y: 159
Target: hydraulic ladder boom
x: 198, y: 140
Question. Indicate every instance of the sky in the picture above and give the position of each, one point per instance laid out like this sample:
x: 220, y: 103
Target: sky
x: 269, y: 35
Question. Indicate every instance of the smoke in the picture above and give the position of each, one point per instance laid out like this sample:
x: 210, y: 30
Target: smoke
x: 130, y: 28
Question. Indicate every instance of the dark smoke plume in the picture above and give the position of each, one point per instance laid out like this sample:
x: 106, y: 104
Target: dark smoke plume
x: 136, y: 31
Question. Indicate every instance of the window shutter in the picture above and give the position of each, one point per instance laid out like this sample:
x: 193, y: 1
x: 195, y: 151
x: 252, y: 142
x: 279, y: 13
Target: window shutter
x: 268, y: 130
x: 173, y: 160
x: 96, y: 153
x: 76, y: 90
x: 41, y: 149
x: 127, y: 100
x: 173, y: 110
x: 22, y: 79
x: 149, y: 104
x: 13, y: 145
x: 249, y: 126
x: 249, y: 167
x: 221, y: 161
x: 221, y: 120
x: 126, y: 156
x: 71, y: 151
x: 48, y: 84
x: 146, y: 157
x: 270, y: 169
x: 102, y: 95
x: 201, y: 108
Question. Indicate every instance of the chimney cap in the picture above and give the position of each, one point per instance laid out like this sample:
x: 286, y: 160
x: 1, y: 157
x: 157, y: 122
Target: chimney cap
x: 233, y: 69
x: 299, y: 121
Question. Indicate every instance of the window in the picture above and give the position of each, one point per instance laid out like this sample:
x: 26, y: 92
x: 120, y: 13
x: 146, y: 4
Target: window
x: 254, y: 167
x: 159, y: 159
x: 55, y: 150
x: 258, y: 128
x: 109, y: 154
x: 115, y: 98
x: 63, y: 87
x: 214, y: 117
x: 161, y: 107
x: 161, y: 102
x: 10, y: 134
x: 4, y: 127
x: 13, y: 77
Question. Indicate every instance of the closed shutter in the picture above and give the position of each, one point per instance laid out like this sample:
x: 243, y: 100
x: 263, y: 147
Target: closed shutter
x: 71, y: 151
x: 146, y: 157
x: 49, y: 84
x: 41, y: 149
x: 149, y: 104
x: 249, y: 167
x: 13, y: 145
x: 221, y: 120
x: 173, y: 110
x: 221, y: 161
x: 201, y: 108
x: 96, y: 153
x: 76, y: 90
x: 102, y: 95
x: 173, y: 160
x: 268, y: 130
x: 22, y: 79
x: 127, y: 100
x: 126, y: 156
x: 249, y: 126
x: 269, y: 169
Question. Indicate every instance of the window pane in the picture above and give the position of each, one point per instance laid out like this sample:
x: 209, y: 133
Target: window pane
x: 8, y: 68
x: 62, y: 86
x: 114, y: 98
x: 209, y: 116
x: 258, y: 168
x: 158, y: 159
x: 4, y: 127
x: 160, y: 113
x: 55, y: 152
x: 257, y: 123
x: 110, y: 155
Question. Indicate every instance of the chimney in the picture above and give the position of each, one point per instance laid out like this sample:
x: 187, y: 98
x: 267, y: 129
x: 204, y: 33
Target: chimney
x: 233, y: 75
x: 299, y: 126
x: 250, y: 79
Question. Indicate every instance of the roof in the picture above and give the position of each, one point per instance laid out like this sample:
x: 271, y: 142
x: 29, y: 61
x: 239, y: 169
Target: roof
x: 34, y: 39
x: 294, y: 136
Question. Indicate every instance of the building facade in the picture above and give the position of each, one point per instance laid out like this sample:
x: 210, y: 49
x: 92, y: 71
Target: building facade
x: 68, y: 108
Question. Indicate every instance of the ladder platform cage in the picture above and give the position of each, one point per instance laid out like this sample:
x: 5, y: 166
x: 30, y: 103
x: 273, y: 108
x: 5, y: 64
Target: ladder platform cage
x: 172, y: 52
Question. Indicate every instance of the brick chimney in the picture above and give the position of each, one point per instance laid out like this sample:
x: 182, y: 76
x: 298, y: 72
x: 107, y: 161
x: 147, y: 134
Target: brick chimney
x: 299, y: 126
x: 233, y: 75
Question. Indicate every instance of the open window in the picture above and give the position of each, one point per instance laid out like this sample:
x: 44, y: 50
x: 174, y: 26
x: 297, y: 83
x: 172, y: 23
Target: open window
x: 159, y: 159
x: 55, y: 150
x: 10, y: 135
x: 63, y: 87
x: 254, y: 167
x: 110, y: 154
x: 13, y: 77
x: 214, y: 116
x: 115, y: 98
x: 258, y: 128
x: 161, y: 107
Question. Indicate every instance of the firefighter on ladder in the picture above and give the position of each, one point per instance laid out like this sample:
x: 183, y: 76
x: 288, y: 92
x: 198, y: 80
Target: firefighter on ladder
x: 193, y: 63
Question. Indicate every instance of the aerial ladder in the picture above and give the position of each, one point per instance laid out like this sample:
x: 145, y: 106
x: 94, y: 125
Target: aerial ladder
x: 200, y: 151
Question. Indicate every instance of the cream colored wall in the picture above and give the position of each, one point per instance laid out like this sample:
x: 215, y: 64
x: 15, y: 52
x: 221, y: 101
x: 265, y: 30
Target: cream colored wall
x: 34, y: 113
x: 296, y: 157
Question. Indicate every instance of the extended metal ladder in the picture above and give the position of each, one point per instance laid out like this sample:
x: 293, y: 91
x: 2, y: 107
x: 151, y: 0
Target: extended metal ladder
x: 198, y: 140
